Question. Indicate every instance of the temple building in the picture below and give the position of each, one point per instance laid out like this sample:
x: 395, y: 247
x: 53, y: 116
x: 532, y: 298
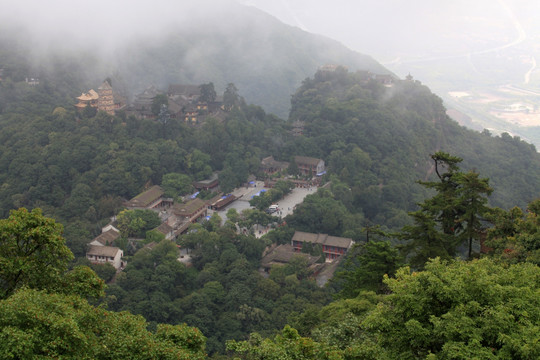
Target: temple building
x: 89, y: 98
x: 103, y: 99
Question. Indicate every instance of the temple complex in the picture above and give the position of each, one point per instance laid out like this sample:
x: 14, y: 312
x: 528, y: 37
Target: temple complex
x: 103, y: 99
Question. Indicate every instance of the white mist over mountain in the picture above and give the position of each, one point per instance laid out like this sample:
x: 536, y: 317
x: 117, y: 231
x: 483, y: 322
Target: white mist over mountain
x: 480, y: 56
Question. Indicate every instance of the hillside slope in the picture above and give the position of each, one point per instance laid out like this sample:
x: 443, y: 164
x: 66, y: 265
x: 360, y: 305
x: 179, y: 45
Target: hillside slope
x: 378, y: 139
x: 266, y: 59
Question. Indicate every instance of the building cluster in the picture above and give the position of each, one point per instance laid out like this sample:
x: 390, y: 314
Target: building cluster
x: 176, y: 219
x: 104, y: 99
x: 183, y: 102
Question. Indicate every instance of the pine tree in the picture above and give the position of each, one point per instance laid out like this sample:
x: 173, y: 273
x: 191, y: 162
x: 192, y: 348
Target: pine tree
x: 451, y: 217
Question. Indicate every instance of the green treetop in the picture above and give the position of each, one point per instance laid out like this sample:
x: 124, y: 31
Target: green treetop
x: 451, y: 217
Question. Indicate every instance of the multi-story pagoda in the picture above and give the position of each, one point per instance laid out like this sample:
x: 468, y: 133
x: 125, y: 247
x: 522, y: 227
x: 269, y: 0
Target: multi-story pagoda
x: 105, y: 101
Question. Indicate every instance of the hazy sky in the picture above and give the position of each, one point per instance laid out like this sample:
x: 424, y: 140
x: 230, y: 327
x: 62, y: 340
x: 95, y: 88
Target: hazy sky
x: 388, y: 28
x: 381, y: 28
x: 385, y: 29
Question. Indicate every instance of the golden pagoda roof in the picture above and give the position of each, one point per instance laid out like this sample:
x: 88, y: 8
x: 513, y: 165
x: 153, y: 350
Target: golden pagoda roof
x: 105, y: 86
x: 90, y: 95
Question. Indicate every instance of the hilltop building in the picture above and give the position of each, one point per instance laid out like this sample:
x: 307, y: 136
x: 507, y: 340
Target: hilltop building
x: 32, y: 81
x: 89, y: 98
x: 103, y: 100
x: 189, y: 92
x: 298, y: 128
x: 332, y: 246
x: 208, y: 184
x: 142, y: 105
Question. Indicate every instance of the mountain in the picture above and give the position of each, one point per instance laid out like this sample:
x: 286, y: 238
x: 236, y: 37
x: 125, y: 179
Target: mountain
x: 377, y: 139
x: 232, y: 43
x: 264, y: 58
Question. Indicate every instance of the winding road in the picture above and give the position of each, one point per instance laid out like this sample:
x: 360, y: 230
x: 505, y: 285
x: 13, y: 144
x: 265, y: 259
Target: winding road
x: 522, y: 36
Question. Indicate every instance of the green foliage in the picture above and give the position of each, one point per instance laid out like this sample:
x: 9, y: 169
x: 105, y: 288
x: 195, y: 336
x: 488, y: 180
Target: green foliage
x: 319, y: 213
x: 35, y: 324
x: 232, y: 215
x: 137, y: 222
x: 33, y: 255
x: 175, y: 185
x: 451, y: 217
x: 365, y: 267
x: 198, y: 163
x: 460, y: 310
x: 477, y: 309
x: 154, y: 236
x: 32, y: 252
x: 158, y: 101
x: 515, y: 236
x: 105, y: 271
x: 262, y: 201
x: 251, y: 217
x: 208, y: 93
x: 286, y: 345
x: 222, y: 294
x: 230, y: 97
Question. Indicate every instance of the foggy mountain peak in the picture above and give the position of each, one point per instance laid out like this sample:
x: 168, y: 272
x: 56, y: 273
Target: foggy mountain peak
x: 106, y: 24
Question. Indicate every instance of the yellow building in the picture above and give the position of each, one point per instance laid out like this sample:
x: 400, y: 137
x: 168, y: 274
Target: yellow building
x: 105, y: 100
x: 87, y: 99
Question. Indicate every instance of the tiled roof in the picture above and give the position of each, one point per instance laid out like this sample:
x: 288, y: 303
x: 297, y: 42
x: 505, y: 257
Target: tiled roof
x: 105, y: 86
x: 96, y: 250
x: 91, y: 95
x: 283, y: 254
x: 146, y: 198
x: 322, y: 239
x: 306, y: 160
x: 189, y: 208
x: 107, y: 237
x: 164, y: 228
x: 269, y: 162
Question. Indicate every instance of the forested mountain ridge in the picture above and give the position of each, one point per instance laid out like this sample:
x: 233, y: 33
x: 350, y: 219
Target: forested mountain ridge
x: 377, y: 141
x: 266, y: 59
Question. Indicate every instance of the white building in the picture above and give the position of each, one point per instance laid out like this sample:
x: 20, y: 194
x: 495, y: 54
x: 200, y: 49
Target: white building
x: 105, y: 254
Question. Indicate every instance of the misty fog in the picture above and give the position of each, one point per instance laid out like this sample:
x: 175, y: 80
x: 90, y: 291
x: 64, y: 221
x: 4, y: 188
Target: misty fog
x: 469, y: 52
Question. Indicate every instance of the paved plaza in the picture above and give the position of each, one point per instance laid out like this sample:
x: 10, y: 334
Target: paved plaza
x: 286, y: 205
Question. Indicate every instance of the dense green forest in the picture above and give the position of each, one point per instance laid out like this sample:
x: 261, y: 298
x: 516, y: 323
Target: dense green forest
x: 377, y: 142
